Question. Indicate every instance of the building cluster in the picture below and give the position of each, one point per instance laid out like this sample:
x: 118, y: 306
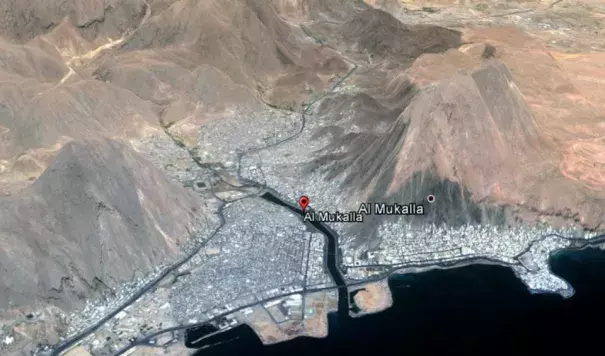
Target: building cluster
x: 262, y: 252
x: 413, y: 245
x: 284, y: 309
x: 317, y: 273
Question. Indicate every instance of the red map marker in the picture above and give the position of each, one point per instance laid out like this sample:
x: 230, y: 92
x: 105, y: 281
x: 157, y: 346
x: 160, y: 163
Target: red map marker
x: 303, y: 201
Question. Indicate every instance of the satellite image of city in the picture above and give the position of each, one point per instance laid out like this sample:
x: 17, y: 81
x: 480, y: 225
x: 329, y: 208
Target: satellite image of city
x: 301, y: 177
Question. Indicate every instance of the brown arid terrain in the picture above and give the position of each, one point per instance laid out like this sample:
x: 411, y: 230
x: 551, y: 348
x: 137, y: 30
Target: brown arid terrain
x: 373, y: 298
x: 110, y: 110
x: 540, y: 147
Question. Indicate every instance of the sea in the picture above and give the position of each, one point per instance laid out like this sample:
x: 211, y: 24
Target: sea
x: 477, y: 309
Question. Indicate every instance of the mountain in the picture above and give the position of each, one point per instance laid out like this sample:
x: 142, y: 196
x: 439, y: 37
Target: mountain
x: 98, y: 215
x: 128, y: 126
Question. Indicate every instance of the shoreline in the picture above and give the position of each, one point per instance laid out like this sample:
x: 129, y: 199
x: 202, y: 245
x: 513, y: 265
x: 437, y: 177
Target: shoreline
x: 595, y: 243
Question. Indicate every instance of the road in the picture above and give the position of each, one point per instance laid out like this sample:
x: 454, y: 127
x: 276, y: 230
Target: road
x: 331, y: 261
x: 65, y: 345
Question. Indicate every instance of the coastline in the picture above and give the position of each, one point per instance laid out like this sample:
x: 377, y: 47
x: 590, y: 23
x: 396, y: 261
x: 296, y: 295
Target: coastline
x: 595, y: 243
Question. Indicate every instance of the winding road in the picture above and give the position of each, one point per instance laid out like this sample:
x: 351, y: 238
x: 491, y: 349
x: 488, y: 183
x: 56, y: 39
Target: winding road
x: 332, y: 239
x: 331, y: 260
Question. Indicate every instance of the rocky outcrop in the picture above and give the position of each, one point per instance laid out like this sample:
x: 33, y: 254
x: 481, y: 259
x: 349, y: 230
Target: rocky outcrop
x: 380, y: 34
x: 23, y: 20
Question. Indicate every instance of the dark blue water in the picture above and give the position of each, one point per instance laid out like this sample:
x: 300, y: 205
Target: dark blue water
x: 473, y: 310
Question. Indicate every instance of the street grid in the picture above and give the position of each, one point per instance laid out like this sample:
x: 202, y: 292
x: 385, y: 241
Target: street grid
x: 261, y: 252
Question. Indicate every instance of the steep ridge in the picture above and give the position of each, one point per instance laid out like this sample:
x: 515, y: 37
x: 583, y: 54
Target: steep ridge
x: 99, y: 215
x: 478, y: 134
x: 22, y: 20
x: 45, y: 103
x: 245, y: 39
x: 475, y: 128
x: 468, y: 139
x: 380, y: 34
x: 39, y: 120
x: 206, y: 60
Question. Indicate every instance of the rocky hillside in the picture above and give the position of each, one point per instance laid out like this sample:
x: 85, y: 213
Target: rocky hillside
x: 100, y: 214
x: 98, y: 98
x: 126, y: 125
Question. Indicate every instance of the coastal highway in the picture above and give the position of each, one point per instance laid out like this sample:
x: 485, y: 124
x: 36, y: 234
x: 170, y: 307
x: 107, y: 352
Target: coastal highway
x: 65, y: 345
